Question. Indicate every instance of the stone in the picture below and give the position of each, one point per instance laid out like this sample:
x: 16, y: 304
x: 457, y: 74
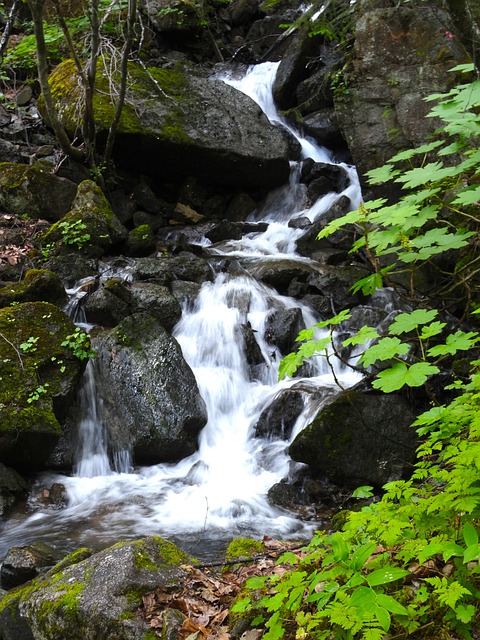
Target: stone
x: 151, y: 402
x: 178, y: 122
x: 282, y: 327
x: 361, y: 437
x: 22, y: 564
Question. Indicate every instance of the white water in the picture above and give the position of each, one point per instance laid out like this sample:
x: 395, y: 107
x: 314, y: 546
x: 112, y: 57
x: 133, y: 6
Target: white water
x: 221, y: 490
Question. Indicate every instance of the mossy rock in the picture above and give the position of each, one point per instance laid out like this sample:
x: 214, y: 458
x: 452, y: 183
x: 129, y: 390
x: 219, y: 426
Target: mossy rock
x: 179, y: 122
x: 94, y: 597
x: 34, y: 192
x: 37, y: 285
x: 38, y: 378
x: 140, y: 241
x: 90, y: 226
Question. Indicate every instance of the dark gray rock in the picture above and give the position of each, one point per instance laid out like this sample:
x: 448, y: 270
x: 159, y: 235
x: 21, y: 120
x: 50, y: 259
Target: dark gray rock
x: 225, y: 230
x: 154, y: 270
x: 156, y: 300
x: 253, y: 353
x: 282, y: 327
x: 361, y: 437
x: 22, y: 564
x: 187, y: 266
x: 151, y: 402
x: 400, y: 56
x: 93, y: 598
x: 279, y: 418
x: 12, y: 487
x: 140, y: 241
x: 185, y: 292
x: 34, y: 191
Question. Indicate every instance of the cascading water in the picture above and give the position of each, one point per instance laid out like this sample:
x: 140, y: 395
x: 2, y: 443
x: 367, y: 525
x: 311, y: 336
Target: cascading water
x: 222, y: 488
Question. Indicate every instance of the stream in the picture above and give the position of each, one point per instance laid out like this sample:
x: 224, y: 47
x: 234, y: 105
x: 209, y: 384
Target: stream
x: 219, y: 492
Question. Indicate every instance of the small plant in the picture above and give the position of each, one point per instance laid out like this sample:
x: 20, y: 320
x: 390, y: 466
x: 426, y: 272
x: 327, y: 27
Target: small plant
x: 30, y: 345
x: 79, y: 343
x: 73, y: 233
x: 37, y: 392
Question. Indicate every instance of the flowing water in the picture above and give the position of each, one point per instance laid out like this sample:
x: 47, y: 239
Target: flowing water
x: 220, y: 491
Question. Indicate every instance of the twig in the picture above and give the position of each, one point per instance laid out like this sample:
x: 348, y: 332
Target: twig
x: 14, y: 348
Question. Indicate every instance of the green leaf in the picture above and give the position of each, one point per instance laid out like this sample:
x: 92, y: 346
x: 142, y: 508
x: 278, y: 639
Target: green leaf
x: 383, y: 617
x: 409, y: 153
x: 471, y: 195
x: 350, y: 218
x: 400, y: 375
x: 288, y: 366
x: 369, y: 284
x: 451, y: 549
x: 406, y: 322
x: 458, y: 341
x: 470, y: 534
x: 340, y: 547
x: 391, y: 604
x: 385, y: 349
x: 361, y: 555
x: 472, y: 552
x: 432, y: 329
x: 465, y: 613
x: 468, y: 67
x: 340, y: 317
x: 433, y: 171
x: 241, y: 605
x: 386, y: 575
x: 363, y: 492
x: 430, y: 550
x: 382, y: 174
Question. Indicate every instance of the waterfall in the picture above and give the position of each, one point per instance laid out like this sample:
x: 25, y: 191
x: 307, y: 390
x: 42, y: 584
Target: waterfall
x: 221, y: 490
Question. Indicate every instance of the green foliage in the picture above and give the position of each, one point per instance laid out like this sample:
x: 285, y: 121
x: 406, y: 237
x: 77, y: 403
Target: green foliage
x: 440, y: 209
x: 21, y: 54
x: 29, y: 346
x: 408, y: 564
x: 79, y: 343
x: 73, y: 233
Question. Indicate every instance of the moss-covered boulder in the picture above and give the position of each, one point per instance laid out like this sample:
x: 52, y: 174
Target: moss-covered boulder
x: 37, y: 285
x: 90, y: 226
x: 177, y: 122
x: 93, y: 598
x: 38, y: 378
x: 34, y: 191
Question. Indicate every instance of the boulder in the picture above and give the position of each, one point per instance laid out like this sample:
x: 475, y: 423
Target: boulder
x: 34, y: 191
x: 400, y: 56
x: 179, y: 123
x: 282, y: 327
x: 361, y: 437
x: 39, y: 378
x: 22, y: 564
x: 37, y: 285
x: 12, y: 487
x: 187, y: 266
x: 90, y: 226
x: 140, y: 241
x: 151, y: 402
x: 88, y: 597
x: 279, y: 418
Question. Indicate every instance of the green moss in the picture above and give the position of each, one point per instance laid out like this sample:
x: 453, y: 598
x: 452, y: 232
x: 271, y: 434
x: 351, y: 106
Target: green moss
x: 73, y: 558
x: 143, y: 560
x: 244, y: 548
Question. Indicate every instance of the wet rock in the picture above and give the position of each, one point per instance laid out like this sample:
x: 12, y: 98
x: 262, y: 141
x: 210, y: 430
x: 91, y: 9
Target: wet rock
x: 22, y: 564
x: 105, y: 308
x: 282, y: 327
x: 323, y: 126
x: 140, y: 241
x: 225, y: 230
x: 9, y: 152
x: 157, y: 301
x: 72, y: 268
x: 12, y: 487
x: 85, y: 598
x: 146, y: 198
x: 55, y: 496
x: 293, y: 68
x: 253, y: 353
x: 400, y: 56
x: 240, y: 207
x: 154, y: 270
x: 154, y: 220
x: 279, y: 274
x: 279, y: 418
x: 151, y: 401
x: 185, y: 292
x: 335, y: 282
x: 361, y: 437
x: 187, y: 266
